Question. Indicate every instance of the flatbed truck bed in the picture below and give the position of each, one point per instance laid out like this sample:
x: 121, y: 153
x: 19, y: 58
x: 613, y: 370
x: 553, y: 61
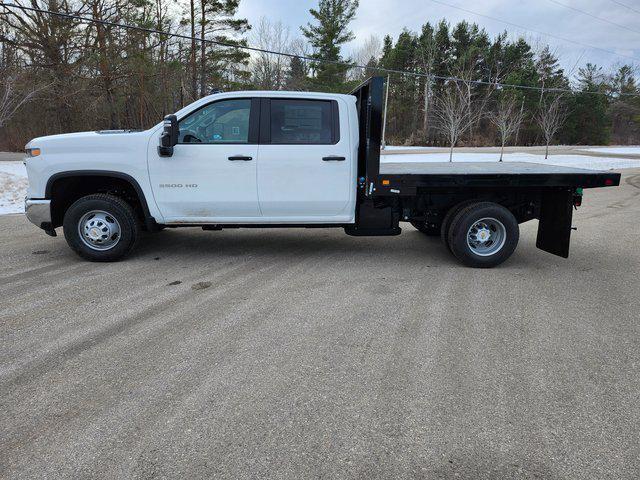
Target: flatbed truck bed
x: 461, y: 201
x: 520, y: 174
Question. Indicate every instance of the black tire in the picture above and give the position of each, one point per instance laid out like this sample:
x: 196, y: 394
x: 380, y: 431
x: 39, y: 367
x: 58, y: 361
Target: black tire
x: 448, y: 218
x: 121, y: 211
x: 466, y: 218
x: 427, y: 228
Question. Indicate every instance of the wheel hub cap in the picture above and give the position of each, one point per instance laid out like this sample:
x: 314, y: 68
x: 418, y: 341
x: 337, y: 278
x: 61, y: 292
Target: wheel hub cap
x: 486, y: 237
x: 99, y: 230
x: 483, y: 235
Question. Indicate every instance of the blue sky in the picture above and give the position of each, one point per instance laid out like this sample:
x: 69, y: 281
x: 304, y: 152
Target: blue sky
x: 380, y: 17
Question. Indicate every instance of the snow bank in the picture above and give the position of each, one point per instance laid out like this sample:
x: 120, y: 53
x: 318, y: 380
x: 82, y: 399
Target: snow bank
x: 577, y: 161
x: 391, y: 148
x: 633, y: 150
x: 13, y: 187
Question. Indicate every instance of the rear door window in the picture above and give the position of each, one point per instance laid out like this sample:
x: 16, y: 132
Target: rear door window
x: 304, y: 122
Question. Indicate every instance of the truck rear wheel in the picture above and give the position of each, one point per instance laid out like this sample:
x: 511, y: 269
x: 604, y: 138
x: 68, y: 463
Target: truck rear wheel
x: 101, y: 228
x: 483, y: 235
x: 448, y: 218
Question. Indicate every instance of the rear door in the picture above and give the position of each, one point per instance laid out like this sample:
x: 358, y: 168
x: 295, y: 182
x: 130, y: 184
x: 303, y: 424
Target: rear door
x: 306, y: 172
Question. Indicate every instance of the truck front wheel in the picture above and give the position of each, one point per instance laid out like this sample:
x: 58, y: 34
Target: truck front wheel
x: 483, y: 235
x: 101, y: 228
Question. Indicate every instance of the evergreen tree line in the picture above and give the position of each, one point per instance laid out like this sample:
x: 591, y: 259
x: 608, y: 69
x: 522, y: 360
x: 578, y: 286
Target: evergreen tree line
x: 62, y: 75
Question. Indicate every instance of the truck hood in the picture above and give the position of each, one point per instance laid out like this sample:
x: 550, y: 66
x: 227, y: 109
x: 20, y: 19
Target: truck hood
x: 88, y: 142
x: 82, y: 137
x: 122, y: 152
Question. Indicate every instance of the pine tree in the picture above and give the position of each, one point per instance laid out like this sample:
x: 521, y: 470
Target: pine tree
x: 625, y: 109
x: 588, y: 122
x: 332, y: 31
x: 216, y: 67
x: 624, y: 82
x: 297, y: 75
x: 442, y: 61
x: 550, y: 74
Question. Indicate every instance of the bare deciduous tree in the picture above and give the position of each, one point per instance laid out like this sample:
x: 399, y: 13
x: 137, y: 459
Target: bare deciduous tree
x: 477, y: 99
x: 269, y: 70
x: 550, y: 117
x: 369, y: 51
x: 11, y: 97
x: 507, y: 118
x: 454, y: 114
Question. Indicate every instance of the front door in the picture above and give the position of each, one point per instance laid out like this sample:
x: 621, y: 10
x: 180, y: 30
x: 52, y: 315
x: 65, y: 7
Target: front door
x: 211, y: 176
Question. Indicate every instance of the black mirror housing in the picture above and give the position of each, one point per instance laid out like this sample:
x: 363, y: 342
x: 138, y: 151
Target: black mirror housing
x: 169, y: 136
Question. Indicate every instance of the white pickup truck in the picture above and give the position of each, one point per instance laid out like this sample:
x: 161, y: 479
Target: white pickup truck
x: 297, y: 159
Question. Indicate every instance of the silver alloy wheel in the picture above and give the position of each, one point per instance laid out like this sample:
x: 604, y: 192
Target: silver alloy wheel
x: 99, y: 230
x: 486, y: 236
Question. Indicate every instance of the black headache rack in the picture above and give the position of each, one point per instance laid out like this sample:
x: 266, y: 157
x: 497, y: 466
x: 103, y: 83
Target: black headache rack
x: 369, y: 97
x: 373, y: 217
x: 381, y: 188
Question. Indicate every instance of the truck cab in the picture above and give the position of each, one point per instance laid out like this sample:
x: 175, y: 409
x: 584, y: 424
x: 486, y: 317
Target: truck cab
x: 298, y: 159
x: 258, y: 158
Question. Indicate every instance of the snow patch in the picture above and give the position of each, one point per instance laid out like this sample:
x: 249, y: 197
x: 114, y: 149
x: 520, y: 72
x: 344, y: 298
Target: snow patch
x: 390, y: 148
x: 13, y: 187
x: 632, y: 150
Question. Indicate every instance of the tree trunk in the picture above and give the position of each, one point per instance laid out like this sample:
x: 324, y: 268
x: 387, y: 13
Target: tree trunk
x: 163, y: 62
x: 192, y: 56
x: 203, y: 49
x: 471, y: 123
x: 520, y: 124
x: 546, y: 151
x: 451, y: 152
x: 425, y: 119
x: 103, y: 66
x: 502, y: 150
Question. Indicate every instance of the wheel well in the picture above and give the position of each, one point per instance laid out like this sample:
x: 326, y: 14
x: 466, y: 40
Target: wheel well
x: 64, y: 191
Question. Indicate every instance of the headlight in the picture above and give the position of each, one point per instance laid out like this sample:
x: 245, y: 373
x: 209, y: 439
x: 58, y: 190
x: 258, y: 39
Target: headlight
x: 32, y: 152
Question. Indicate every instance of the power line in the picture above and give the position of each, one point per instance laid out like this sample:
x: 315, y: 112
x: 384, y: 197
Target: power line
x: 539, y: 32
x: 594, y: 16
x: 301, y: 57
x: 625, y: 6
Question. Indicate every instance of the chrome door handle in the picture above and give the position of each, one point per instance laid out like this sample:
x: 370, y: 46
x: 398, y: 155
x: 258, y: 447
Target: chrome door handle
x: 240, y: 157
x: 333, y: 159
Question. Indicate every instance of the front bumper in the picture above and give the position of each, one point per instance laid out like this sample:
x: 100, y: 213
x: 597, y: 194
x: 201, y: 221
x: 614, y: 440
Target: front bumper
x: 38, y: 212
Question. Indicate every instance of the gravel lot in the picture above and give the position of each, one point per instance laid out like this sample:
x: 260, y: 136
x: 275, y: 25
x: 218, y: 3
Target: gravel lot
x: 311, y: 354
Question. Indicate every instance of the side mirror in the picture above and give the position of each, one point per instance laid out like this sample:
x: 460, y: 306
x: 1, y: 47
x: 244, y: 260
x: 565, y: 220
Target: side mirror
x: 169, y: 136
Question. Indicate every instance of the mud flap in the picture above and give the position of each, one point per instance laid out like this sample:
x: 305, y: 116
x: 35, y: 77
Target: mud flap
x: 372, y: 221
x: 554, y: 228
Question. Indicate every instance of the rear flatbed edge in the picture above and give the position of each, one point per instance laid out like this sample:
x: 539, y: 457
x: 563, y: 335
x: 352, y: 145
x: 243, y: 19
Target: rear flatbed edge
x: 405, y: 178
